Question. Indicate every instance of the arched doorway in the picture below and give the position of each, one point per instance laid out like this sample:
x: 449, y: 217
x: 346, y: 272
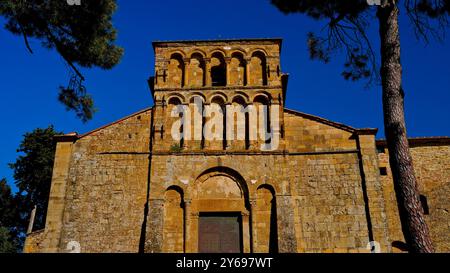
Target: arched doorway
x: 173, y: 231
x: 265, y: 214
x: 219, y: 214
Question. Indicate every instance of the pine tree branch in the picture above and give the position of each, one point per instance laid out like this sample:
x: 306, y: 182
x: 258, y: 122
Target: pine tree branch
x: 58, y: 46
x: 25, y: 38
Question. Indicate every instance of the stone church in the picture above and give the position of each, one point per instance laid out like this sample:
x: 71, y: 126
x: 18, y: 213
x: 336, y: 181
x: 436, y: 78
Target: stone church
x: 326, y: 187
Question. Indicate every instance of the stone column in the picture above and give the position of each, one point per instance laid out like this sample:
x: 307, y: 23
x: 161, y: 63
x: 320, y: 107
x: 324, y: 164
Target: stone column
x: 227, y: 64
x: 253, y: 127
x: 225, y: 126
x: 253, y: 233
x: 31, y: 222
x: 186, y: 71
x: 186, y: 230
x: 206, y: 143
x: 247, y: 69
x: 193, y: 230
x: 246, y: 231
x: 187, y: 125
x: 207, y: 71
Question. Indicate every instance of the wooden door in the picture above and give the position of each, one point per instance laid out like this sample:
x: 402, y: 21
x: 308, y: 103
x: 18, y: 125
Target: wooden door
x: 219, y: 233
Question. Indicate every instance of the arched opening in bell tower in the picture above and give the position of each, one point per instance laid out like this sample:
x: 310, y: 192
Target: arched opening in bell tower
x: 218, y: 70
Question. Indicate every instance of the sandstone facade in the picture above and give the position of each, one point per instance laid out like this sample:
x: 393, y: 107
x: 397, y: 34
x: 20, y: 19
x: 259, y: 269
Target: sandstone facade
x: 129, y: 186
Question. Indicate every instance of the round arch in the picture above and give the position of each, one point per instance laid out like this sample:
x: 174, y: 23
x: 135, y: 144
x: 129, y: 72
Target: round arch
x: 222, y: 171
x: 179, y: 52
x: 197, y: 94
x: 239, y: 99
x: 222, y: 95
x: 243, y: 94
x: 197, y: 51
x: 174, y: 96
x: 262, y: 98
x: 238, y: 50
x: 217, y: 50
x: 260, y: 51
x: 177, y: 189
x: 220, y: 191
x: 268, y: 187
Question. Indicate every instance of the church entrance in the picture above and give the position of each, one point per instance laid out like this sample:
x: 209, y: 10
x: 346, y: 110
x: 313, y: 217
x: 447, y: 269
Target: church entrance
x: 220, y: 233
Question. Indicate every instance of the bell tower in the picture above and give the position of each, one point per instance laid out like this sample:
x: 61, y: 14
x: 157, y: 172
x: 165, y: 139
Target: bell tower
x: 235, y: 77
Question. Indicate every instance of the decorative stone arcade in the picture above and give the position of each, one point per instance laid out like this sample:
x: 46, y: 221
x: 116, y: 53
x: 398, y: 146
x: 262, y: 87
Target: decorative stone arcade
x: 227, y: 72
x: 222, y: 72
x: 223, y: 193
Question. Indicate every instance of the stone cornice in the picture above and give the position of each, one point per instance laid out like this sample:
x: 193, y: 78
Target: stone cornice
x: 217, y: 88
x: 243, y: 153
x: 421, y: 141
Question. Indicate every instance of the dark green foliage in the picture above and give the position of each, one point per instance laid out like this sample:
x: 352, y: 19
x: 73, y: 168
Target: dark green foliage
x: 8, y: 243
x: 33, y: 174
x: 357, y: 66
x: 75, y: 98
x: 346, y: 23
x: 316, y: 51
x: 7, y: 209
x: 322, y: 9
x: 82, y: 35
x: 176, y: 148
x: 9, y: 239
x: 434, y: 9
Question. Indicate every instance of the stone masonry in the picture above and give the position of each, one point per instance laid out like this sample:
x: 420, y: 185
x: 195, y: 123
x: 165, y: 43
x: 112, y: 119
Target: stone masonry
x: 131, y: 187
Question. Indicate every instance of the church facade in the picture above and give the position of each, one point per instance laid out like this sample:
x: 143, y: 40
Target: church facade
x: 146, y: 183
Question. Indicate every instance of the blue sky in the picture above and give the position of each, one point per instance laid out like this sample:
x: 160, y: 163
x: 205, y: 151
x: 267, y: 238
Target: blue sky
x: 28, y: 85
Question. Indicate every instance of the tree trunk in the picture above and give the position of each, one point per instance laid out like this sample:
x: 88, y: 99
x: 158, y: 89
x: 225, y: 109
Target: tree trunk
x: 411, y: 212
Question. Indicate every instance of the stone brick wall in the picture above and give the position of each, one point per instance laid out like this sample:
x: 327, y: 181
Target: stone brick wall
x: 318, y: 193
x: 34, y: 242
x: 320, y: 190
x: 307, y: 133
x: 106, y: 188
x: 330, y: 204
x: 432, y: 169
x: 319, y: 197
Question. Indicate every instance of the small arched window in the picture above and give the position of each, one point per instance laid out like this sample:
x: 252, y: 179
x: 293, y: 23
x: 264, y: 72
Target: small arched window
x: 174, y: 102
x: 237, y: 70
x: 173, y: 211
x: 218, y: 70
x: 266, y: 212
x: 196, y: 70
x: 258, y: 69
x: 176, y: 70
